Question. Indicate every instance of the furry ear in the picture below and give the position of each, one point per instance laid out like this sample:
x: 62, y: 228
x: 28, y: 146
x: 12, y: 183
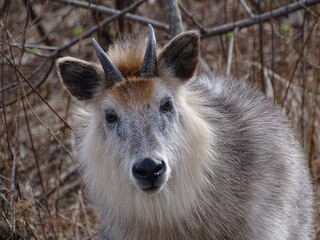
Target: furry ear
x: 80, y: 77
x: 181, y: 55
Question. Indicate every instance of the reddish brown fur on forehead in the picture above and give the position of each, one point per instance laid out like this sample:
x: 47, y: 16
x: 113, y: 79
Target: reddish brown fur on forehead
x: 128, y: 56
x: 135, y: 90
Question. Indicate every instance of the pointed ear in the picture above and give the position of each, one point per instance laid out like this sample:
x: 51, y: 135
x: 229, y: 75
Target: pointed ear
x: 81, y: 78
x: 181, y: 55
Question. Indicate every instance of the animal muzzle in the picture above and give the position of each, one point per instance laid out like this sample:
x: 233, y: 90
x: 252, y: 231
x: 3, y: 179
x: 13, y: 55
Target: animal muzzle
x: 149, y: 174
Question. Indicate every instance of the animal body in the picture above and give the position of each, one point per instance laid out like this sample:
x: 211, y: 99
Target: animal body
x: 169, y: 155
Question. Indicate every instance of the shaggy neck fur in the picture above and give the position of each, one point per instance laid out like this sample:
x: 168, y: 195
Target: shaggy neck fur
x: 123, y: 202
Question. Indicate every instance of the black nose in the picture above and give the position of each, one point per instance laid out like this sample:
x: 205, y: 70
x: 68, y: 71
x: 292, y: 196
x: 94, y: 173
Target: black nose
x: 148, y: 170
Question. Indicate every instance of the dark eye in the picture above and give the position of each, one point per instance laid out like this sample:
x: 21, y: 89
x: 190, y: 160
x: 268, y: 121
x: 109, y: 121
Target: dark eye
x: 166, y: 106
x: 111, y: 117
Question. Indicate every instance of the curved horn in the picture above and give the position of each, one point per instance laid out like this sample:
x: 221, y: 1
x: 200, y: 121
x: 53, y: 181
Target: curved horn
x: 112, y: 73
x: 149, y: 66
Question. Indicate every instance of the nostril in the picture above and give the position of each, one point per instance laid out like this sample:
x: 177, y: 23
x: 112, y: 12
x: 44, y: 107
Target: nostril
x: 148, y: 169
x: 160, y: 168
x: 139, y: 172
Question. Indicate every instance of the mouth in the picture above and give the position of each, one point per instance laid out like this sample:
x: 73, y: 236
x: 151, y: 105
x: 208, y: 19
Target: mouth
x: 151, y: 189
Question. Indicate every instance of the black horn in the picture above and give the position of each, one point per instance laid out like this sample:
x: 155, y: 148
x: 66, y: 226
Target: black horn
x: 149, y: 66
x: 112, y: 73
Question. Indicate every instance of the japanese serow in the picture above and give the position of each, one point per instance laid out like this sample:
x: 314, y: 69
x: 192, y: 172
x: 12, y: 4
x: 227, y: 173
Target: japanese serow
x: 170, y: 155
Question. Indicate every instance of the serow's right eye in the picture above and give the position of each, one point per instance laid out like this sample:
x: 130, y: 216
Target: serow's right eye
x: 111, y: 117
x: 167, y: 106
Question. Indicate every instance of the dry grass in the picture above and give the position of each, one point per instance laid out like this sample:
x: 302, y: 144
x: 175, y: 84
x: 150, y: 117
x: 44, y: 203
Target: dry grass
x: 41, y: 193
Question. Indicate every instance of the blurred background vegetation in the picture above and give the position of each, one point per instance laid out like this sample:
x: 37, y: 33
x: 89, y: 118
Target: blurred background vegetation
x: 41, y: 192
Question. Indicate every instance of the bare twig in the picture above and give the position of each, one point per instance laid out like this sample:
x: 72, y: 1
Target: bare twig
x: 298, y: 61
x: 36, y: 53
x: 107, y: 10
x: 270, y: 72
x: 269, y: 89
x: 30, y: 45
x: 310, y: 141
x: 230, y: 51
x: 303, y: 102
x: 34, y: 149
x: 34, y: 89
x: 48, y: 129
x: 259, y: 18
x: 4, y: 7
x: 12, y: 156
x: 13, y: 192
x: 88, y: 33
x: 173, y: 16
x: 83, y: 207
x: 193, y: 19
x: 12, y: 85
x: 35, y: 86
x: 248, y: 10
x: 272, y: 58
x: 262, y: 79
x: 99, y: 25
x: 205, y: 66
x: 92, y: 236
x: 259, y: 5
x: 37, y: 203
x: 313, y: 65
x: 65, y: 46
x: 35, y: 18
x: 52, y: 29
x: 65, y: 176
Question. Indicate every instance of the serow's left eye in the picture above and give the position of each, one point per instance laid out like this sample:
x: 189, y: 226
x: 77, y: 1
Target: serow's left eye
x: 166, y: 106
x: 111, y: 117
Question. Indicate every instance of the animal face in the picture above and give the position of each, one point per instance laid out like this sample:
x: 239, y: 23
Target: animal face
x: 137, y: 110
x: 140, y: 115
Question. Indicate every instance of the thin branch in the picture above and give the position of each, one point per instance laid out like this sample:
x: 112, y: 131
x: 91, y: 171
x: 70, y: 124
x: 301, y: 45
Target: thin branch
x: 205, y: 66
x: 259, y: 18
x: 65, y: 46
x: 11, y: 154
x: 65, y: 176
x: 230, y: 51
x: 4, y: 7
x: 270, y: 72
x: 88, y: 33
x: 58, y: 23
x: 298, y: 61
x: 262, y: 80
x: 259, y: 5
x: 37, y: 203
x: 33, y: 147
x: 34, y: 89
x: 34, y: 86
x: 248, y: 10
x: 35, y: 18
x: 193, y: 19
x: 107, y: 10
x: 173, y: 16
x: 96, y: 27
x: 48, y: 129
x: 42, y: 55
x: 13, y: 191
x: 313, y: 65
x: 12, y: 85
x: 30, y: 45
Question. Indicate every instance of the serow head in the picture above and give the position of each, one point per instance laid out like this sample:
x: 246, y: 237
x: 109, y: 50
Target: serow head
x: 135, y: 112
